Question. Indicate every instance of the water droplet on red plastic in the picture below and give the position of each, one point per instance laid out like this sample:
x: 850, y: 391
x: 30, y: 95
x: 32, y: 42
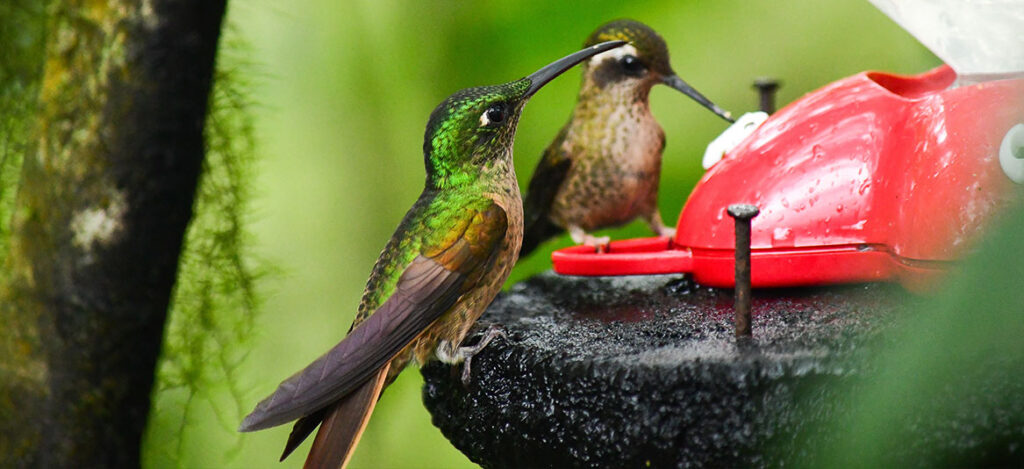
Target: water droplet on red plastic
x: 818, y: 152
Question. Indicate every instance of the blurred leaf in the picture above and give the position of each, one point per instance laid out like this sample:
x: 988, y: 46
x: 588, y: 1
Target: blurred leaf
x: 948, y: 389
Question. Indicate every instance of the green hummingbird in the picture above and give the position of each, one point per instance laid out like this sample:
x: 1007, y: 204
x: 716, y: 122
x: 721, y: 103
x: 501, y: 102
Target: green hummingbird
x: 442, y: 267
x: 603, y: 167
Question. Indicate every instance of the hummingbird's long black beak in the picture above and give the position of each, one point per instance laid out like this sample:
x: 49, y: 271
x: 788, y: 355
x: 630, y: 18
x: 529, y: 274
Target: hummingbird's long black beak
x: 677, y: 83
x: 541, y: 77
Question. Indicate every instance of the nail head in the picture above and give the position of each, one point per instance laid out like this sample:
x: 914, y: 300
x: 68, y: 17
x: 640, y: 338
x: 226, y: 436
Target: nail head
x: 765, y: 83
x: 743, y: 211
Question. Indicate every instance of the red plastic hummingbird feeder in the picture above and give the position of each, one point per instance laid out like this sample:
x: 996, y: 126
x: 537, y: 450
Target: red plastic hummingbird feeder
x: 876, y: 177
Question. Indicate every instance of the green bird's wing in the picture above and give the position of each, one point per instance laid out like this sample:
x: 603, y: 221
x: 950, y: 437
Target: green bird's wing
x: 545, y: 182
x: 447, y: 265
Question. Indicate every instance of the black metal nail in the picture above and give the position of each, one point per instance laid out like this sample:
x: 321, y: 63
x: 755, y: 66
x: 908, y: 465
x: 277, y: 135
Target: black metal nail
x: 742, y: 213
x: 766, y: 88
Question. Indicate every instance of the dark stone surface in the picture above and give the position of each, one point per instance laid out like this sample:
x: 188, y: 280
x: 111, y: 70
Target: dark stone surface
x: 644, y: 371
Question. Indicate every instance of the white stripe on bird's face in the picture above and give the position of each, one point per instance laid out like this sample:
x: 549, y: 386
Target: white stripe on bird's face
x: 613, y: 54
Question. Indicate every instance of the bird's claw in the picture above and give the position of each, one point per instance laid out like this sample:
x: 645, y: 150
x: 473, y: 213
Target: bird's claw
x: 600, y: 244
x: 467, y: 353
x: 667, y: 231
x: 658, y: 226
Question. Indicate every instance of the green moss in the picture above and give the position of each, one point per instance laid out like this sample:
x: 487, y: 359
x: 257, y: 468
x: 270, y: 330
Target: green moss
x: 22, y: 369
x: 22, y: 39
x: 215, y: 298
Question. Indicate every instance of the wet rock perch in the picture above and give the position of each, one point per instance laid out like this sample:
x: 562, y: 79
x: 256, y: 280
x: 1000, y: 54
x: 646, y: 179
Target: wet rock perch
x: 645, y: 371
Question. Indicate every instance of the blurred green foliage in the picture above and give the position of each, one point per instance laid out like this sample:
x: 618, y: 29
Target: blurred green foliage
x: 215, y: 297
x: 344, y: 90
x: 951, y: 371
x: 22, y: 39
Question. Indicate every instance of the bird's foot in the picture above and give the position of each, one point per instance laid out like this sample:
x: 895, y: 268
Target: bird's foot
x: 666, y: 231
x: 465, y: 355
x: 658, y: 226
x: 600, y: 244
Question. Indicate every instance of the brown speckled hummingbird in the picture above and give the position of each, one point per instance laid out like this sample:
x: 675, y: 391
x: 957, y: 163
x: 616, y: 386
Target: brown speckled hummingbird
x: 603, y: 168
x: 443, y: 266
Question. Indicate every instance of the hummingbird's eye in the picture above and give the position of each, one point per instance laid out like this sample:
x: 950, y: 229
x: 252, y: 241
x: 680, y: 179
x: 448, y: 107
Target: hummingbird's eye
x: 493, y: 115
x: 632, y: 65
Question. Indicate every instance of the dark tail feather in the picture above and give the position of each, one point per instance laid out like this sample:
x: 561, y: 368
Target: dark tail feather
x: 537, y: 232
x: 344, y: 424
x: 303, y: 427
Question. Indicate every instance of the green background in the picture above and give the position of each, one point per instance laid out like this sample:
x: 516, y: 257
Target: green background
x: 343, y: 91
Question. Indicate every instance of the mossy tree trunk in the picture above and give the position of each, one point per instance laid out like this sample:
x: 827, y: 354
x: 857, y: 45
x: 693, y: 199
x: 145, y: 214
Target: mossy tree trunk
x: 106, y: 193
